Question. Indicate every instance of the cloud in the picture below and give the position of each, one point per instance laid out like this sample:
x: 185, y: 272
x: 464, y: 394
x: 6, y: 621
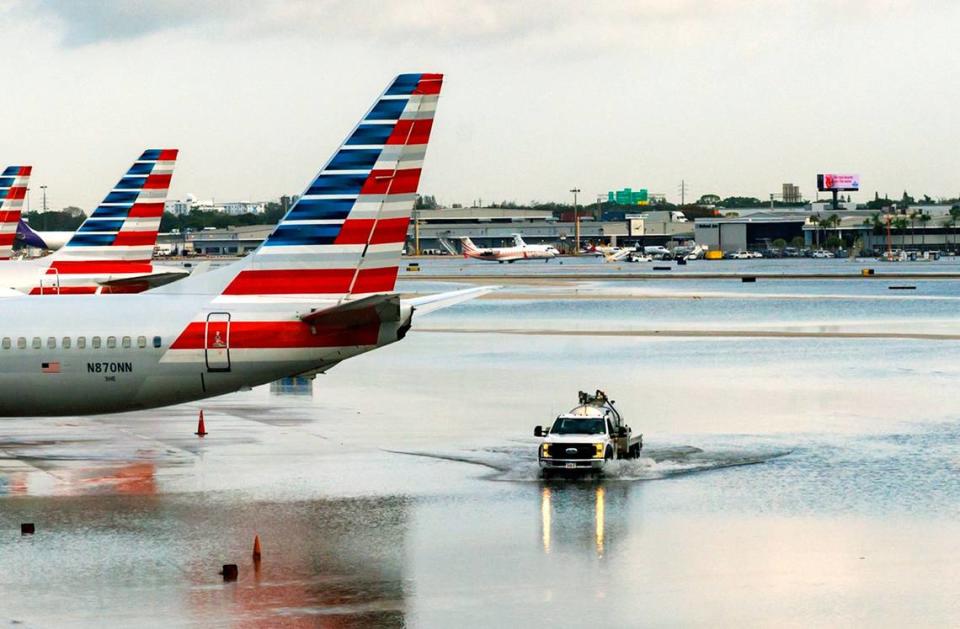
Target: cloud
x: 425, y: 23
x: 85, y: 22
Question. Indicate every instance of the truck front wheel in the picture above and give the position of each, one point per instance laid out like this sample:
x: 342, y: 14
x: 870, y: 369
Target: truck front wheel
x: 608, y: 455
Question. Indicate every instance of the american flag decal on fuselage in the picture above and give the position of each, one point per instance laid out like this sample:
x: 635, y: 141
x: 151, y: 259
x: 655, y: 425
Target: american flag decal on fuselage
x: 13, y: 190
x: 345, y: 234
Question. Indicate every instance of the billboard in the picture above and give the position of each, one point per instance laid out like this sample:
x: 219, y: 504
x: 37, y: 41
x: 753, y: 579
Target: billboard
x: 832, y: 181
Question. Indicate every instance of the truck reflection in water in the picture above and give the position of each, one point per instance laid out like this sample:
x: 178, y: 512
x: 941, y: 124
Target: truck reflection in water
x: 292, y: 386
x: 577, y: 515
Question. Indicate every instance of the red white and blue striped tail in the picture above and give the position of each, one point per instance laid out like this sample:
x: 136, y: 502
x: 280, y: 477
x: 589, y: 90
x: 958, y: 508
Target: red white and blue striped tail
x: 345, y: 234
x: 120, y: 234
x: 13, y: 190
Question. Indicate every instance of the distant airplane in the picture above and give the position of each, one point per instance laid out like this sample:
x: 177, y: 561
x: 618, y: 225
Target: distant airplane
x: 112, y: 250
x: 599, y: 250
x: 519, y: 251
x: 317, y: 291
x: 13, y: 190
x: 51, y: 241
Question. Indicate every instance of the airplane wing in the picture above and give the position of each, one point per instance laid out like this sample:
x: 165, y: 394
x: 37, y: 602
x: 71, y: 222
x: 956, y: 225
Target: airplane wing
x: 386, y: 307
x: 151, y: 281
x: 429, y: 303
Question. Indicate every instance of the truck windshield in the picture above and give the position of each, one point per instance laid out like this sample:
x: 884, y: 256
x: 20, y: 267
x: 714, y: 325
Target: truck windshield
x: 578, y: 426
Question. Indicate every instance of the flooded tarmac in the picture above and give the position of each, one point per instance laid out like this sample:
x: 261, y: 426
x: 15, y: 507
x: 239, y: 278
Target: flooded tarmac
x: 796, y: 481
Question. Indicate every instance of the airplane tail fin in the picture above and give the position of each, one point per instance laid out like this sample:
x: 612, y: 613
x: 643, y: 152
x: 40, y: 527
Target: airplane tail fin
x: 28, y: 236
x: 120, y: 234
x: 518, y: 241
x: 13, y: 190
x: 468, y: 246
x: 344, y: 235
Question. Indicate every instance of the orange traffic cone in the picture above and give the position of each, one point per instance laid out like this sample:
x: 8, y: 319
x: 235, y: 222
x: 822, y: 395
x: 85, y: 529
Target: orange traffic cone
x: 256, y: 548
x: 201, y: 429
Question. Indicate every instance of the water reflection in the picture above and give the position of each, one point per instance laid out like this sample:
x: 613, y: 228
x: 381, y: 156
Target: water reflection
x: 547, y: 525
x: 292, y: 386
x: 325, y: 563
x: 71, y: 479
x: 598, y: 515
x: 14, y: 484
x: 569, y: 514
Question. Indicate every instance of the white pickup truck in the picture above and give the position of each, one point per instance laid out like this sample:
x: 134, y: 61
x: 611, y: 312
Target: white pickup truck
x: 586, y: 438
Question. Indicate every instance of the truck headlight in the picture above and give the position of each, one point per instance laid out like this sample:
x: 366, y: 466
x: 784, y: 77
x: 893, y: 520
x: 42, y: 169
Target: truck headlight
x: 545, y: 450
x: 598, y: 454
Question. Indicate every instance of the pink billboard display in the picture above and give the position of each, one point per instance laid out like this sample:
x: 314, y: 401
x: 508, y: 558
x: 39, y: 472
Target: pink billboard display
x: 833, y: 181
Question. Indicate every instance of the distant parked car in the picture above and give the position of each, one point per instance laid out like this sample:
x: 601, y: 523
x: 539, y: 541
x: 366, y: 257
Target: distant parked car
x: 738, y: 255
x: 821, y: 253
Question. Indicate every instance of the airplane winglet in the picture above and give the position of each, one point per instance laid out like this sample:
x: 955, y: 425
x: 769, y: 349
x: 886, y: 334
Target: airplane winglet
x: 429, y: 303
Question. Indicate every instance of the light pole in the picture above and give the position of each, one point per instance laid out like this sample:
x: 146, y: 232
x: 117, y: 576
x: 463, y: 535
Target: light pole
x: 416, y: 233
x: 44, y: 189
x: 576, y: 222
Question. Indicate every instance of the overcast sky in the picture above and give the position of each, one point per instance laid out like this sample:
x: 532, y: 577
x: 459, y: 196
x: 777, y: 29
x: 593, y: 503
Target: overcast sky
x: 734, y: 96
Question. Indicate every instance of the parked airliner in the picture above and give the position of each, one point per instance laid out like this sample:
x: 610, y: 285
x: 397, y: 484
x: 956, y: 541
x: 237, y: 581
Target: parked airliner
x: 112, y: 250
x: 317, y: 291
x: 519, y: 251
x: 51, y: 241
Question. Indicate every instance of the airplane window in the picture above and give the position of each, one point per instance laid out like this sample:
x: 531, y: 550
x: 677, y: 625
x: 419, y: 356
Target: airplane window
x: 21, y: 343
x: 66, y: 342
x: 81, y: 342
x: 111, y: 342
x: 156, y: 342
x: 37, y: 342
x: 141, y: 342
x: 51, y: 342
x: 95, y: 342
x: 6, y: 342
x: 126, y: 342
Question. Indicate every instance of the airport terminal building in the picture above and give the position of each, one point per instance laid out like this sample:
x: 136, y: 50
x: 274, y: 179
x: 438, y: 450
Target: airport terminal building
x: 754, y: 229
x: 493, y: 227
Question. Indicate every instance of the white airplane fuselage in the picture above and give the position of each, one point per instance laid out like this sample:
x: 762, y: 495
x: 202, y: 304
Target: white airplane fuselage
x: 205, y: 349
x: 512, y: 254
x: 55, y: 240
x: 39, y: 277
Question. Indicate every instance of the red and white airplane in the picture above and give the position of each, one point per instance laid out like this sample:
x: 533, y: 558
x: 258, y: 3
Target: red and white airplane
x: 318, y: 290
x: 519, y: 251
x: 112, y: 250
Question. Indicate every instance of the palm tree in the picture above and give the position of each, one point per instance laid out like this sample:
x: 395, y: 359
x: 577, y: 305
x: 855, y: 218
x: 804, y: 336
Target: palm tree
x: 924, y: 219
x: 831, y: 222
x: 948, y: 222
x: 815, y: 219
x: 900, y: 224
x: 875, y: 224
x: 913, y: 231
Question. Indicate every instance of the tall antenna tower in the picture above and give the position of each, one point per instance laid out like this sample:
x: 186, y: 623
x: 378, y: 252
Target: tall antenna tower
x: 683, y: 187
